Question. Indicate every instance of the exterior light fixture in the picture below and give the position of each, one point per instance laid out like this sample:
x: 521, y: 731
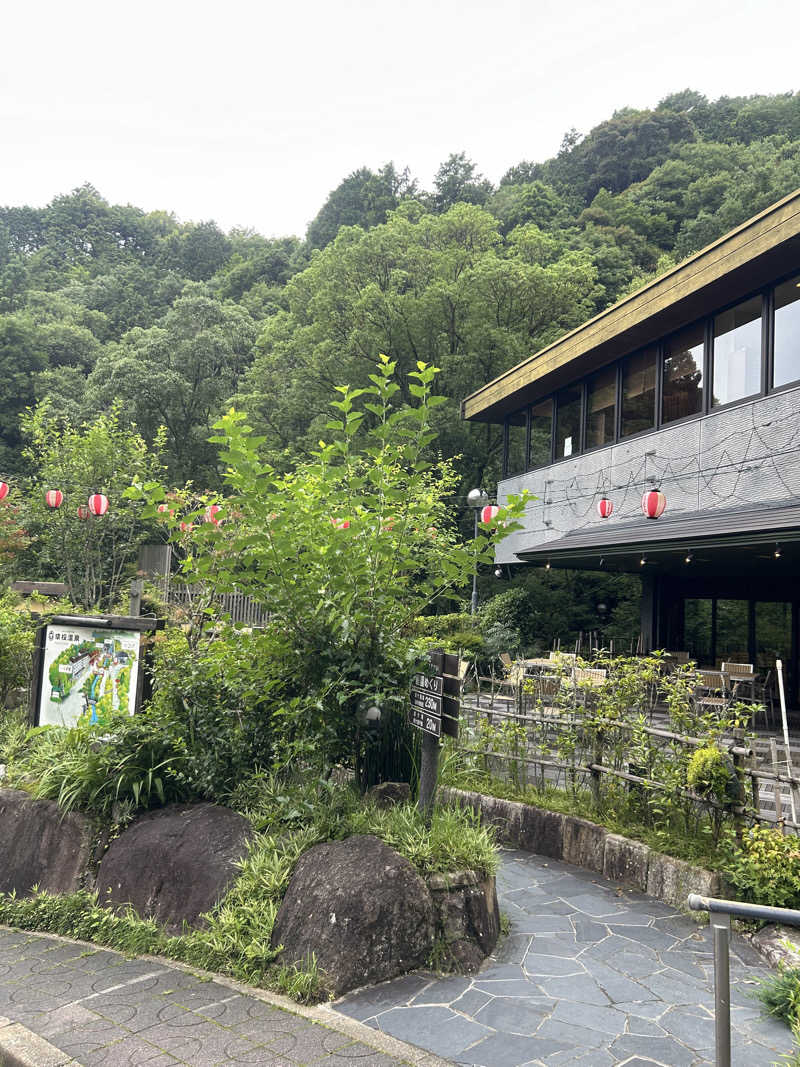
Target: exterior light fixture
x: 98, y: 504
x: 777, y: 552
x: 498, y: 573
x: 642, y: 561
x: 689, y: 557
x: 477, y: 499
x: 602, y: 560
x: 547, y: 565
x: 604, y: 507
x: 653, y: 503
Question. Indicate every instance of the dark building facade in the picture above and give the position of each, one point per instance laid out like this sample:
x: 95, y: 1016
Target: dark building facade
x: 690, y: 386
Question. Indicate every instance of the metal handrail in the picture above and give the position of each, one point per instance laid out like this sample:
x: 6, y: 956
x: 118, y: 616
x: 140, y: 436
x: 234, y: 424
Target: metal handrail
x: 720, y: 912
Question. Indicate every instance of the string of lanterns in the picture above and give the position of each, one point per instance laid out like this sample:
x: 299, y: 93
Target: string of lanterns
x: 97, y: 504
x: 653, y: 504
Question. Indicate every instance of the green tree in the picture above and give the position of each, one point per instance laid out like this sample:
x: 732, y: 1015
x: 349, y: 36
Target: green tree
x: 178, y: 374
x: 93, y: 555
x: 457, y: 181
x: 364, y: 199
x: 445, y: 289
x: 345, y: 550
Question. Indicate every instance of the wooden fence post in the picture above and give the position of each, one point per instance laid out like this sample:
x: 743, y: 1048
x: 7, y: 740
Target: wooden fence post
x: 597, y: 761
x: 738, y: 764
x: 776, y: 789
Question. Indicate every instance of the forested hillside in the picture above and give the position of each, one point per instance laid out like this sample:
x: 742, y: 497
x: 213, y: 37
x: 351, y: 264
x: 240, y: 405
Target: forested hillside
x: 103, y: 303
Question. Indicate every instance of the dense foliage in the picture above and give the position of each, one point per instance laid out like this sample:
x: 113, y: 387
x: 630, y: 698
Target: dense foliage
x: 101, y: 301
x: 104, y: 304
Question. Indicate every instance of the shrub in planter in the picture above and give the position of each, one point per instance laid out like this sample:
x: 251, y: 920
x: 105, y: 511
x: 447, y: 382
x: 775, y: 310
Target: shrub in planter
x: 766, y: 869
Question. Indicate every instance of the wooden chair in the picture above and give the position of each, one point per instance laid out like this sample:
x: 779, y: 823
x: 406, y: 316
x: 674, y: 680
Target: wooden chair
x: 546, y: 689
x: 741, y: 676
x: 712, y: 690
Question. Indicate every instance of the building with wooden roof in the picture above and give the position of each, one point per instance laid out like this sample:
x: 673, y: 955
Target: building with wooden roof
x: 689, y: 387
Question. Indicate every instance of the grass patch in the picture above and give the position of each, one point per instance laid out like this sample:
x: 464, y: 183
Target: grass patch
x: 236, y: 937
x: 621, y: 813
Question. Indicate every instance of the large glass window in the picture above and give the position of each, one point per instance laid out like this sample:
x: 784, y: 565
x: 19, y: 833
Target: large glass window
x: 568, y: 422
x: 697, y: 630
x: 541, y: 433
x: 732, y: 632
x: 601, y: 408
x: 737, y: 352
x: 639, y: 392
x: 786, y: 366
x: 516, y: 425
x: 682, y: 392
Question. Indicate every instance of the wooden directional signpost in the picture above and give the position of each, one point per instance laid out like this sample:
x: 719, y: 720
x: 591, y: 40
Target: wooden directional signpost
x: 434, y: 708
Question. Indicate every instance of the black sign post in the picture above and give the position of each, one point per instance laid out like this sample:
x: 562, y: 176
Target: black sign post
x: 434, y: 707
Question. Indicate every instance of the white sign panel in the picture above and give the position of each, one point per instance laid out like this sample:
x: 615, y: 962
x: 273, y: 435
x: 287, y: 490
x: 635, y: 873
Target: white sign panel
x: 88, y: 674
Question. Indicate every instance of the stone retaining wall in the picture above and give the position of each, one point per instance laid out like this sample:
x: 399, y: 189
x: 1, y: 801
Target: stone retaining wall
x: 586, y: 844
x: 467, y: 917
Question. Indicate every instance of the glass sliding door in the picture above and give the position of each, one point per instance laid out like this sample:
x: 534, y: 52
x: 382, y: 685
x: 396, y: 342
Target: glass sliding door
x: 774, y: 638
x: 697, y: 637
x: 732, y: 632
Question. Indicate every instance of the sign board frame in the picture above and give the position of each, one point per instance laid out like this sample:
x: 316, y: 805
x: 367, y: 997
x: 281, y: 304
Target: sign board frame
x: 435, y: 699
x: 104, y: 660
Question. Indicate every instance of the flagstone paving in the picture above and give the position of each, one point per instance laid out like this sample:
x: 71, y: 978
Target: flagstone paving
x: 65, y: 1003
x: 591, y: 974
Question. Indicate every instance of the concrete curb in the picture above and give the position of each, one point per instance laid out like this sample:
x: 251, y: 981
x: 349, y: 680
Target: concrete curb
x: 591, y: 846
x: 20, y: 1047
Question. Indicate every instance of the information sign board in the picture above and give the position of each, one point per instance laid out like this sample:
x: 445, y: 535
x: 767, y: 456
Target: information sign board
x: 87, y: 669
x: 427, y: 702
x: 430, y: 724
x: 435, y: 699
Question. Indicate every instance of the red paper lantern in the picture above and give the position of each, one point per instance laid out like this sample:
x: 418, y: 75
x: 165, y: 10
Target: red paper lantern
x: 54, y: 498
x: 164, y: 509
x: 604, y: 507
x: 187, y: 527
x: 98, y: 504
x: 83, y: 511
x: 3, y: 490
x: 653, y: 504
x: 211, y: 514
x: 489, y: 513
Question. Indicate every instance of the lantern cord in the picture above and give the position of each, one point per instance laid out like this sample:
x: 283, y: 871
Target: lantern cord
x: 755, y: 451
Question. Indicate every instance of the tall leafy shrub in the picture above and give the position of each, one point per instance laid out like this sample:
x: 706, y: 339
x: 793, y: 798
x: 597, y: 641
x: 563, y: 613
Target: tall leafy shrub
x: 345, y: 550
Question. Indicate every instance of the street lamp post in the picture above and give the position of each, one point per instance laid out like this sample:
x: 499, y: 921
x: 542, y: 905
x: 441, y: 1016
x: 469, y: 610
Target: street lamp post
x: 476, y: 499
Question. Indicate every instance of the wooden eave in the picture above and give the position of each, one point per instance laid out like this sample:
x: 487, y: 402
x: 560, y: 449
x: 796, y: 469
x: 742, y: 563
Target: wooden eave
x: 762, y: 249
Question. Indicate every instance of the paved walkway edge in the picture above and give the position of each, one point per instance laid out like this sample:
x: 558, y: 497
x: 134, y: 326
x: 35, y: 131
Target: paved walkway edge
x: 22, y: 1048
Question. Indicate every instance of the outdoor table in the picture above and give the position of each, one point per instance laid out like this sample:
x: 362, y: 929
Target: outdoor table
x: 734, y: 680
x: 537, y: 664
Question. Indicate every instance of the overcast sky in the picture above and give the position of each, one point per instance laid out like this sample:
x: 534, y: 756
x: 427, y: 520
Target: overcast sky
x: 251, y: 112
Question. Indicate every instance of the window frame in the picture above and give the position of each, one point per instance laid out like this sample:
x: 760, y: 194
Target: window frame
x: 766, y: 388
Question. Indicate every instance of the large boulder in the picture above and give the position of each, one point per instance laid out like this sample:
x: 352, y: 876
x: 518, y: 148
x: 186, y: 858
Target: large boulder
x: 40, y: 845
x: 361, y: 908
x: 176, y: 863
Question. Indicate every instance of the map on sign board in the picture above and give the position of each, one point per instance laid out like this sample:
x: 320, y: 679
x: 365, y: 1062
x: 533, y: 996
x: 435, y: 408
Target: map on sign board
x: 87, y: 674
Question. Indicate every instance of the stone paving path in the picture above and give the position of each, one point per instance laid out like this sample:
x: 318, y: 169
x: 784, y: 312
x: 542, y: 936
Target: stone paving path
x: 96, y: 1007
x: 591, y: 974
